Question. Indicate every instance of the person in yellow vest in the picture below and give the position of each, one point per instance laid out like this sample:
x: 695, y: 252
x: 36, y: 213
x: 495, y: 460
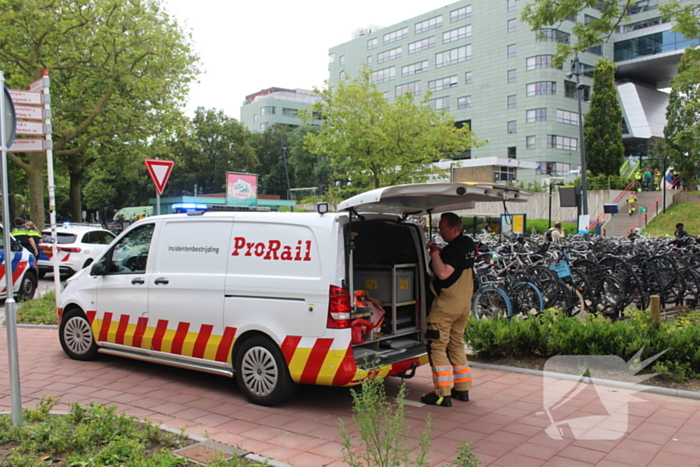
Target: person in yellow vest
x: 22, y: 236
x: 657, y: 179
x: 632, y: 203
x: 33, y: 232
x: 638, y: 179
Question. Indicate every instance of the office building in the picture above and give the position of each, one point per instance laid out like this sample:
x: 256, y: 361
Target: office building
x: 491, y: 71
x: 275, y: 106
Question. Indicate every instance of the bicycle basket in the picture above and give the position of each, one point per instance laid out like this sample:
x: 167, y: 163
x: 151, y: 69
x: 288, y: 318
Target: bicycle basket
x: 562, y: 269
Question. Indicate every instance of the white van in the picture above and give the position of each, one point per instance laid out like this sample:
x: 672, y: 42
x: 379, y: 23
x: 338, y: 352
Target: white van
x: 266, y: 296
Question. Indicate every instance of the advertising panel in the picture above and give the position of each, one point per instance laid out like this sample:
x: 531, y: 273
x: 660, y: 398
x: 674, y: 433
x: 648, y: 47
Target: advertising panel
x: 241, y: 189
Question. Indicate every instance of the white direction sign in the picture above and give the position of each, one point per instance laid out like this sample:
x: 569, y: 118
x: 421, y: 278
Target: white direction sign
x: 39, y: 84
x: 27, y: 145
x: 26, y: 97
x: 29, y: 113
x: 30, y: 128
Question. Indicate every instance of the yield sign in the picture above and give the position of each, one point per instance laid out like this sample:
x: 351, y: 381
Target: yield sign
x: 159, y: 171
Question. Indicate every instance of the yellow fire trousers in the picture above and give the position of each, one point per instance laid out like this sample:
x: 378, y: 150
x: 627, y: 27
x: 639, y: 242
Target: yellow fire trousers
x: 447, y: 322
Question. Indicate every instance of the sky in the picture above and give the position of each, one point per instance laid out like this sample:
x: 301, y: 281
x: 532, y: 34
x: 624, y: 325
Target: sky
x: 247, y: 45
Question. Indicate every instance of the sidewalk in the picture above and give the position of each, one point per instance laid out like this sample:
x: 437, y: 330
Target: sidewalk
x: 505, y: 421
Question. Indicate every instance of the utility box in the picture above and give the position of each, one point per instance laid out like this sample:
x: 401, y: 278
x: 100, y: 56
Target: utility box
x: 377, y: 283
x: 611, y: 209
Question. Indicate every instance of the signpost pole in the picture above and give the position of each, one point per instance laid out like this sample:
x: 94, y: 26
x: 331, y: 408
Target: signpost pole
x: 10, y: 305
x: 157, y: 203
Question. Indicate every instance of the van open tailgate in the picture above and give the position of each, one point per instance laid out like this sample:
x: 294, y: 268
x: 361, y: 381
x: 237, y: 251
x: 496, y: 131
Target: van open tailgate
x: 418, y: 198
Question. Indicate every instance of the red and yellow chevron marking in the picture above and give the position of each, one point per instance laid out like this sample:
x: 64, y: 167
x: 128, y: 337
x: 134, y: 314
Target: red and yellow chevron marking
x: 183, y: 340
x: 324, y: 361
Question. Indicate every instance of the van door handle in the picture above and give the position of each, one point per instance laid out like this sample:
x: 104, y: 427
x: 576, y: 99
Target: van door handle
x: 138, y: 281
x: 162, y: 280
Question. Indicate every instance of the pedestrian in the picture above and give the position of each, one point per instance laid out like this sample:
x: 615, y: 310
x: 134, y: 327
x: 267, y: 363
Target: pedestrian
x: 557, y: 232
x: 680, y: 232
x: 647, y: 180
x: 22, y: 236
x: 638, y: 180
x: 33, y: 232
x: 452, y: 286
x: 632, y: 203
x: 657, y: 179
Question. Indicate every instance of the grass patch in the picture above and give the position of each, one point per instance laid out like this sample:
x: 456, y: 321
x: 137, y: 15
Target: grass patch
x: 39, y: 311
x: 92, y: 435
x: 665, y: 223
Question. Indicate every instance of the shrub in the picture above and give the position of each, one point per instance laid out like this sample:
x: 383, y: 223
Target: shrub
x: 39, y: 311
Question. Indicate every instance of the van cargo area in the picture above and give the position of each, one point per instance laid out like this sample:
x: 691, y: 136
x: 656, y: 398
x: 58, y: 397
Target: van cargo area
x: 388, y: 264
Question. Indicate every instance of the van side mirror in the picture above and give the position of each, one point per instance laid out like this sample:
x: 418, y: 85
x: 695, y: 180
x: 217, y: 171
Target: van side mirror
x: 99, y: 268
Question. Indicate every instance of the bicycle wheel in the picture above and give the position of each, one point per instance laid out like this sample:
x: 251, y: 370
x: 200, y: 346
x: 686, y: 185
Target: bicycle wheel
x: 526, y: 298
x: 611, y: 296
x: 491, y: 302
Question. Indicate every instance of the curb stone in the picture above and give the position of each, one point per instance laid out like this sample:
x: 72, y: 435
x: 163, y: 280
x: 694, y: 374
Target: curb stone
x: 199, y: 439
x: 588, y: 380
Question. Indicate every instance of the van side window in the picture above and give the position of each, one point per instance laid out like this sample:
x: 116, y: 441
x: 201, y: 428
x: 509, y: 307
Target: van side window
x: 130, y: 254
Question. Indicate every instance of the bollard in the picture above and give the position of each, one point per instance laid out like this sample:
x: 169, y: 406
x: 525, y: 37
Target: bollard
x: 655, y: 309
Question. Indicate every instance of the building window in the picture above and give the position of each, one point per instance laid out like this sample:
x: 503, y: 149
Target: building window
x: 331, y: 58
x: 290, y: 112
x: 373, y: 43
x: 530, y: 142
x: 562, y: 142
x: 647, y: 23
x: 538, y: 61
x: 512, y: 76
x: 553, y: 35
x: 342, y: 75
x: 384, y: 75
x: 588, y: 19
x: 428, y: 24
x: 555, y: 169
x: 388, y: 55
x: 564, y: 116
x: 342, y: 60
x: 641, y: 6
x: 504, y: 174
x: 468, y: 77
x: 442, y: 83
x: 536, y: 115
x: 512, y: 127
x: 264, y: 126
x: 511, y: 5
x: 395, y: 36
x: 596, y: 50
x: 512, y: 152
x: 512, y: 102
x: 456, y: 34
x: 587, y: 70
x: 461, y: 13
x: 369, y: 60
x: 464, y: 102
x: 439, y: 104
x: 414, y: 68
x: 269, y: 110
x: 414, y: 88
x: 512, y: 25
x: 541, y: 88
x: 570, y: 90
x: 423, y: 44
x: 512, y: 50
x: 452, y: 56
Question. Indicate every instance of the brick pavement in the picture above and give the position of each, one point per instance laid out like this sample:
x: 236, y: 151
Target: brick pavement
x: 504, y: 421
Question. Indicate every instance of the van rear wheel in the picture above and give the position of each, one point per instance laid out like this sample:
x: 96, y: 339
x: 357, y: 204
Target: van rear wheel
x: 262, y: 373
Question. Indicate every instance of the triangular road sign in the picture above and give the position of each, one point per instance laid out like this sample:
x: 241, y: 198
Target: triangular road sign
x: 159, y: 171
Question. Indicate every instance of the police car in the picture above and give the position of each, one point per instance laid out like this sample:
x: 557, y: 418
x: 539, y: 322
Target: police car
x: 77, y: 246
x: 24, y: 271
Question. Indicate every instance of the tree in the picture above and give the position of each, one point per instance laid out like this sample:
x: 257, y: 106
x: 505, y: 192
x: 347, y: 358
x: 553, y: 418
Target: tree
x: 541, y: 14
x: 271, y: 147
x: 682, y: 129
x: 119, y: 69
x: 213, y: 145
x: 603, y: 123
x: 376, y: 143
x: 309, y: 169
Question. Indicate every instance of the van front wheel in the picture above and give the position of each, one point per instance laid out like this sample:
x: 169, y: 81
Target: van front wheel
x: 75, y: 335
x: 262, y: 373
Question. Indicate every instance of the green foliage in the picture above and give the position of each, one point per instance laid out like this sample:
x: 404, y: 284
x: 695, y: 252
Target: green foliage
x: 551, y: 333
x: 682, y: 130
x: 606, y: 182
x: 603, y: 123
x: 307, y: 169
x: 542, y: 225
x: 541, y: 14
x: 376, y: 143
x: 41, y: 310
x: 664, y: 224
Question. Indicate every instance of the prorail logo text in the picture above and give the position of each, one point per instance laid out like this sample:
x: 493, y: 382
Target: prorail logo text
x: 272, y: 250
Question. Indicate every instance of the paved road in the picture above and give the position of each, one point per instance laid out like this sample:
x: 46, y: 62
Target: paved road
x: 504, y: 421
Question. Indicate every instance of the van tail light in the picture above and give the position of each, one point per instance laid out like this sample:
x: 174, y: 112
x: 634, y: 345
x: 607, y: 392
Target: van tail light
x: 69, y: 249
x: 338, y: 308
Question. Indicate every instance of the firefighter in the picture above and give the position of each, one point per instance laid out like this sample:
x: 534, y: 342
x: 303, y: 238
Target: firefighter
x: 632, y: 203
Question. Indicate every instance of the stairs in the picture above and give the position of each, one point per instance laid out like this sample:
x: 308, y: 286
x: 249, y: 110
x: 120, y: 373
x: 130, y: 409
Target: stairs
x: 623, y: 222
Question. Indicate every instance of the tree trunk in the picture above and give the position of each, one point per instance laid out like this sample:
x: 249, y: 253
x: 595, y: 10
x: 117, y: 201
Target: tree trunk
x: 76, y: 200
x: 35, y: 179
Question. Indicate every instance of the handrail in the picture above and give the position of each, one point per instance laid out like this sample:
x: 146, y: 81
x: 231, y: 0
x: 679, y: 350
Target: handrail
x: 617, y: 199
x: 645, y: 216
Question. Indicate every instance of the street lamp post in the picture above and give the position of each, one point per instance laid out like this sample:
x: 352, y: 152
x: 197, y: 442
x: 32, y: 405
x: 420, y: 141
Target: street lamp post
x: 576, y: 71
